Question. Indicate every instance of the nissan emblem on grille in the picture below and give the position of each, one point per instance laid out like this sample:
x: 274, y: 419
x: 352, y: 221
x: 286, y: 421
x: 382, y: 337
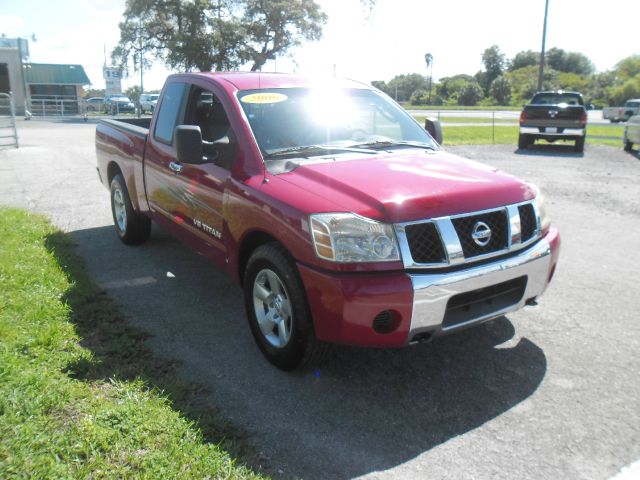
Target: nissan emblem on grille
x: 481, y: 234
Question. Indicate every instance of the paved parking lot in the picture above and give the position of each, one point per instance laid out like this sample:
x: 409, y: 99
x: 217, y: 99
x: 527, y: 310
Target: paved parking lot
x: 548, y: 392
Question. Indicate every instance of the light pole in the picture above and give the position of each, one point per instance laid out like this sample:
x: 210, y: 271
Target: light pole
x: 544, y: 39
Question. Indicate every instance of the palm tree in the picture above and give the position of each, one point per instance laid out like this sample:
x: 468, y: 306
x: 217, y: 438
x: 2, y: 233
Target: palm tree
x: 428, y: 58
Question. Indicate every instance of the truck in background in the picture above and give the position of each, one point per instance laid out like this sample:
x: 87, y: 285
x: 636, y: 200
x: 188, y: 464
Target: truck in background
x: 622, y: 114
x: 553, y: 116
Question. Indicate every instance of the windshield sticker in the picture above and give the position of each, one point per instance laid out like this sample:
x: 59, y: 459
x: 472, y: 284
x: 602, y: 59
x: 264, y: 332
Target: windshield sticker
x: 268, y: 97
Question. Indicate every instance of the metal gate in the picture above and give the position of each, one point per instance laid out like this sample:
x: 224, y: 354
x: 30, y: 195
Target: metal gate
x: 8, y: 131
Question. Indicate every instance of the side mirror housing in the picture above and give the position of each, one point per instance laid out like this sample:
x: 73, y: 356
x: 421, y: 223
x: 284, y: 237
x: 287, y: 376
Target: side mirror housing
x: 433, y: 126
x: 188, y: 144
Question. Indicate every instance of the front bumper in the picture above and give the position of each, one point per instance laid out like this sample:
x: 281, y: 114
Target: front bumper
x: 424, y: 305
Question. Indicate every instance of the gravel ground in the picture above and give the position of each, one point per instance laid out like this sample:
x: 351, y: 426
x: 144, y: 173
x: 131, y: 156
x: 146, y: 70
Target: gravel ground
x: 548, y: 392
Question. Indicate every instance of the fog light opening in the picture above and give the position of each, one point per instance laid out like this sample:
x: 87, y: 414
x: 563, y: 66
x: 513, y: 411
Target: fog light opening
x: 386, y: 322
x: 423, y: 337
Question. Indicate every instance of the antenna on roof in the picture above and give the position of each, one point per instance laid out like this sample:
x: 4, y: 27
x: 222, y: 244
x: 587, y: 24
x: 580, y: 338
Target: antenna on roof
x: 104, y: 50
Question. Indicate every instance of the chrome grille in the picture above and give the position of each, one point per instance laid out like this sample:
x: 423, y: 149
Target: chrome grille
x: 528, y: 221
x: 449, y: 241
x: 497, y: 222
x: 425, y: 243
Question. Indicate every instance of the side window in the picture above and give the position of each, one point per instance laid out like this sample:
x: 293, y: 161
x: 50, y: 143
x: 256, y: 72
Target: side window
x: 206, y: 111
x: 170, y: 111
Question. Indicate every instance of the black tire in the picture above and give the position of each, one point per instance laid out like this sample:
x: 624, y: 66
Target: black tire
x: 628, y: 146
x: 273, y: 289
x: 579, y: 145
x: 132, y: 228
x: 524, y: 141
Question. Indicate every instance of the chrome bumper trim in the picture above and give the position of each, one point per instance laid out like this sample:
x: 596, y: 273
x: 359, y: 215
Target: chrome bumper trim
x: 573, y: 132
x: 431, y: 292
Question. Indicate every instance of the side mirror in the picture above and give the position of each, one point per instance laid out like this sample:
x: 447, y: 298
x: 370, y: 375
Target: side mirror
x: 188, y: 144
x: 432, y: 125
x: 590, y: 106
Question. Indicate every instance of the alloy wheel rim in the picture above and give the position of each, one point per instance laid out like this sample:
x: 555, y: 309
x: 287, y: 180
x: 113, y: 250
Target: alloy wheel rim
x: 119, y: 209
x: 272, y: 307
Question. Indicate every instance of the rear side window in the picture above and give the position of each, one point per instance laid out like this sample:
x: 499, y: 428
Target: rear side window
x: 170, y: 110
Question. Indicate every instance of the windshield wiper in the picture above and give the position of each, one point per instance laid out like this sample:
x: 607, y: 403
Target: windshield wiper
x: 310, y: 150
x: 382, y: 144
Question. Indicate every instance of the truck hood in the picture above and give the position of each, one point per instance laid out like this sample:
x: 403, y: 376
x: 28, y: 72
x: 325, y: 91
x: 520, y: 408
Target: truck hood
x: 407, y: 185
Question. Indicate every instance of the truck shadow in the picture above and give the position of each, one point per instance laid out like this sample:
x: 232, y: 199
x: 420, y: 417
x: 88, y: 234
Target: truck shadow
x: 360, y: 411
x: 634, y: 153
x: 550, y: 150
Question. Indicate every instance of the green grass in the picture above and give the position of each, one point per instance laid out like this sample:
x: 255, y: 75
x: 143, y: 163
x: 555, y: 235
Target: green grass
x: 454, y: 119
x: 489, y: 108
x: 81, y: 396
x: 479, y: 135
x: 482, y: 135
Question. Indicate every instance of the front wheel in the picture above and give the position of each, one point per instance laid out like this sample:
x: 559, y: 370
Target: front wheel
x: 276, y: 305
x: 132, y: 228
x: 628, y: 146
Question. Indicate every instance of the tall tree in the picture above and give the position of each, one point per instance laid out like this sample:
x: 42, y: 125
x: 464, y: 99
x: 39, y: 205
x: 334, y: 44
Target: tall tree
x: 275, y: 26
x: 524, y: 59
x: 571, y: 62
x: 428, y: 59
x: 494, y: 64
x: 219, y: 34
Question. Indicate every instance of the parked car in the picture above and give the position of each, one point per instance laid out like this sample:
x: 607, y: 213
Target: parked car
x: 118, y: 103
x: 341, y: 217
x: 553, y: 116
x: 632, y: 133
x: 94, y: 104
x: 148, y: 102
x: 622, y: 114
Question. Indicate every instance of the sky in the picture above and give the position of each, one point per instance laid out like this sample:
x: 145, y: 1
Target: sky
x: 357, y: 43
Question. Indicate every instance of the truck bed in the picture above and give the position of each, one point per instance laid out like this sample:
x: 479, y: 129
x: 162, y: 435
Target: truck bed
x: 120, y: 144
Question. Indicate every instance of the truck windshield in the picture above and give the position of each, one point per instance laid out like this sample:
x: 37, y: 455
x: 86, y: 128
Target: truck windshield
x: 314, y: 121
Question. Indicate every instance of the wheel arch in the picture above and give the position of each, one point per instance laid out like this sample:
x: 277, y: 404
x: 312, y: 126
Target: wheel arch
x: 112, y: 170
x: 248, y: 245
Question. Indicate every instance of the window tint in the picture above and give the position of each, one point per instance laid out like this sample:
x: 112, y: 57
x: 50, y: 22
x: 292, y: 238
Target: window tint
x: 170, y: 110
x: 556, y: 99
x: 288, y: 118
x: 206, y: 111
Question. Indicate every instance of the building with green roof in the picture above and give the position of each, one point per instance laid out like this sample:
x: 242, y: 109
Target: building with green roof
x: 40, y: 88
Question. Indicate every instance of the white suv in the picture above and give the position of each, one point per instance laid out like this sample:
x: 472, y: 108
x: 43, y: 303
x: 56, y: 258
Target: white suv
x: 148, y: 102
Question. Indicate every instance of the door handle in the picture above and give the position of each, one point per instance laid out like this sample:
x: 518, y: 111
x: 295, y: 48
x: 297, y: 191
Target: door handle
x: 175, y: 166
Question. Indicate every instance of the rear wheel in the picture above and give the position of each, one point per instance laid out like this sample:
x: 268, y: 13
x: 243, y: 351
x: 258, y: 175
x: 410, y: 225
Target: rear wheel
x: 132, y: 228
x: 524, y: 141
x: 579, y: 146
x: 277, y: 309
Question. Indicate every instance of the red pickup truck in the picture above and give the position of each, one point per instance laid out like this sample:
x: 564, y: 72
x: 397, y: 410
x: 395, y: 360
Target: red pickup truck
x: 341, y: 217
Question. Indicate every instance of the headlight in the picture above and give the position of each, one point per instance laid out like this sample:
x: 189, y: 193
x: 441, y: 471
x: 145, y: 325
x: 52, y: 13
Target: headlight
x: 346, y: 237
x: 545, y: 221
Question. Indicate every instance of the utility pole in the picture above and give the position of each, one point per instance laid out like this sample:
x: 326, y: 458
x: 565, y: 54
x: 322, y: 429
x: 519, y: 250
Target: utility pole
x: 544, y: 39
x: 141, y: 51
x: 141, y: 65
